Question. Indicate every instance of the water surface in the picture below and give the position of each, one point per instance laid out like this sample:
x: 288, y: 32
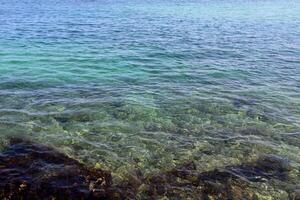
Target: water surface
x: 153, y: 84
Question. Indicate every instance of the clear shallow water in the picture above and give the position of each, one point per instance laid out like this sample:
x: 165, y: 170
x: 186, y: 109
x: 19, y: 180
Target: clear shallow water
x: 150, y: 85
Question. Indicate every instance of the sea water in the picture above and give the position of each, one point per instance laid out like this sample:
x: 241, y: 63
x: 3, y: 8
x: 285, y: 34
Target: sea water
x: 152, y: 84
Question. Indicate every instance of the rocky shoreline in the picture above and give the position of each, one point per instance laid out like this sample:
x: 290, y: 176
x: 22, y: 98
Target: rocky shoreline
x: 30, y: 171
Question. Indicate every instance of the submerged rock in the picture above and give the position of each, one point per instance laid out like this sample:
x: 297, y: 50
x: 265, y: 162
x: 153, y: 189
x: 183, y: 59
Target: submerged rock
x: 32, y: 171
x: 229, y: 183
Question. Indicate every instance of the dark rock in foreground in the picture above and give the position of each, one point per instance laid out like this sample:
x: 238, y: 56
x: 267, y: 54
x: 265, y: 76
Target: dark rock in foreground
x: 30, y: 171
x: 229, y: 183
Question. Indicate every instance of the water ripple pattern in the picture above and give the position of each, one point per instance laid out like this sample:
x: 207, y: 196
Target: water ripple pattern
x: 152, y: 84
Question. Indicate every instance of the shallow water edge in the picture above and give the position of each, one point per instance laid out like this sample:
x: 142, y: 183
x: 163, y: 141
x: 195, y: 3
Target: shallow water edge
x: 33, y: 171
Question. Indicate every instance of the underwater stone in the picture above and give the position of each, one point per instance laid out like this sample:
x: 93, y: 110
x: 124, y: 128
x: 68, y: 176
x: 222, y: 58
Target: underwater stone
x: 266, y: 167
x: 32, y: 171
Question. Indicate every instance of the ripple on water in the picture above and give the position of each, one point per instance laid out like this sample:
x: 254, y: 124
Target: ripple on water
x: 122, y: 85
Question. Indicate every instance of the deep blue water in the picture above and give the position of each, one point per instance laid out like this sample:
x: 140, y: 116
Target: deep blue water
x: 151, y: 84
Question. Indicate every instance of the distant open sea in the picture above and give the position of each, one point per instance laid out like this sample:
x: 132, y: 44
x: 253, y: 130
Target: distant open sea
x: 143, y: 84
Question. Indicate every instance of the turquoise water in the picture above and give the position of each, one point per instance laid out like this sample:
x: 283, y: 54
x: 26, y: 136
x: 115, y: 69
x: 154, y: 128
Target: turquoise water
x: 152, y: 84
